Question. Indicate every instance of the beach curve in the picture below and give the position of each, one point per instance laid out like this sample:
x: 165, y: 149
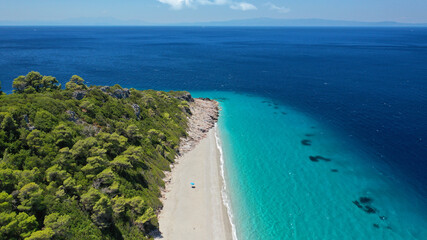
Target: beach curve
x: 200, y: 212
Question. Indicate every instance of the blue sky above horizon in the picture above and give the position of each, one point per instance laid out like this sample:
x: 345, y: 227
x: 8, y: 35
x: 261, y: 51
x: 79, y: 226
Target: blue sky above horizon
x: 179, y: 11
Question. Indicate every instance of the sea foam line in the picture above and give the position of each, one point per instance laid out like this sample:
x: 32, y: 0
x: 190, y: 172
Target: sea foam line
x: 225, y: 198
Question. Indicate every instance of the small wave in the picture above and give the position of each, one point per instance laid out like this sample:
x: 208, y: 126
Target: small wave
x: 225, y: 197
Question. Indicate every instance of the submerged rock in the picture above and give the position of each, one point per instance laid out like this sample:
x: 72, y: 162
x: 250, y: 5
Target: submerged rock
x: 376, y: 225
x: 363, y: 204
x: 222, y: 99
x: 365, y: 200
x: 369, y: 209
x: 358, y: 204
x: 334, y: 170
x: 323, y: 158
x: 317, y: 158
x: 284, y: 113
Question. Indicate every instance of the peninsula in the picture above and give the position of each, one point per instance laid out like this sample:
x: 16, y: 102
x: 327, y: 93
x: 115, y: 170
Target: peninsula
x: 89, y: 162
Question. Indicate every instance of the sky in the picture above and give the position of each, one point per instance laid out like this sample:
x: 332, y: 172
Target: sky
x: 187, y: 11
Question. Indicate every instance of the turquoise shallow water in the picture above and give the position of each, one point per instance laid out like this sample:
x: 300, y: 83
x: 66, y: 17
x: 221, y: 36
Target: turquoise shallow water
x: 277, y: 192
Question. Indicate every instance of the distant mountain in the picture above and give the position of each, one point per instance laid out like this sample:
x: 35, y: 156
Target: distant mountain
x: 273, y: 22
x: 78, y: 22
x: 303, y: 23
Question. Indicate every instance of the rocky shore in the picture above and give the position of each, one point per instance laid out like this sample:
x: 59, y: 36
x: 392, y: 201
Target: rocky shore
x: 204, y: 116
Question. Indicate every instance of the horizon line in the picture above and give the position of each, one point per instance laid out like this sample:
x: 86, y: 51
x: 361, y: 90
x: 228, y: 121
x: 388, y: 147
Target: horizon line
x: 225, y: 26
x: 260, y: 21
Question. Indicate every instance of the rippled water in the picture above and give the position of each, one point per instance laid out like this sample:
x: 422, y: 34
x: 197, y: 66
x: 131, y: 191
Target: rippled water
x: 292, y: 177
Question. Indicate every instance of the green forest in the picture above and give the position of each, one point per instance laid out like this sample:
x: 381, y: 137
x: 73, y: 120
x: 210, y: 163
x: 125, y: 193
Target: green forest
x: 85, y: 162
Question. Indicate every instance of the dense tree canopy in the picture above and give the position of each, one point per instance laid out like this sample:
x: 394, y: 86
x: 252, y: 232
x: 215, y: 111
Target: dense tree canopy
x: 84, y: 162
x: 35, y: 82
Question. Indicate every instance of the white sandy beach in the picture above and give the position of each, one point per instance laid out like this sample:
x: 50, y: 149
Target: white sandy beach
x: 196, y: 213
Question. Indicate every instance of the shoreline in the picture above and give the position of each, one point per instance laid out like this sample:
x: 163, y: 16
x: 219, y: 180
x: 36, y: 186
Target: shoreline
x: 200, y: 212
x: 224, y: 195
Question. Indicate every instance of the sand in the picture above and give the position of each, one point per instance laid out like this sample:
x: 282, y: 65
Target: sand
x: 195, y: 213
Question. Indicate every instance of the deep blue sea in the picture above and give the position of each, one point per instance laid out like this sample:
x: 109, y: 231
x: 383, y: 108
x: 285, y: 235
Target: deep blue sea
x: 324, y: 130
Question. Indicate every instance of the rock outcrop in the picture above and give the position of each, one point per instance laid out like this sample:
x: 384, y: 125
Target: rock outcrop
x: 79, y: 94
x: 72, y: 116
x: 186, y: 96
x: 205, y: 114
x: 117, y: 93
x: 121, y: 93
x: 27, y: 121
x: 136, y: 109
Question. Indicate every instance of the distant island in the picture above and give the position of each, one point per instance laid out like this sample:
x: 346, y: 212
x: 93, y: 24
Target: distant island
x: 86, y: 162
x: 282, y: 22
x: 251, y: 22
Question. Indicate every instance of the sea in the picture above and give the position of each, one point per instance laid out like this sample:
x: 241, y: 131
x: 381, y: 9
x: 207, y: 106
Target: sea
x: 323, y: 130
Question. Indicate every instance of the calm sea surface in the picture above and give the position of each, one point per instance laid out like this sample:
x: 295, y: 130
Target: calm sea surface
x: 357, y: 98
